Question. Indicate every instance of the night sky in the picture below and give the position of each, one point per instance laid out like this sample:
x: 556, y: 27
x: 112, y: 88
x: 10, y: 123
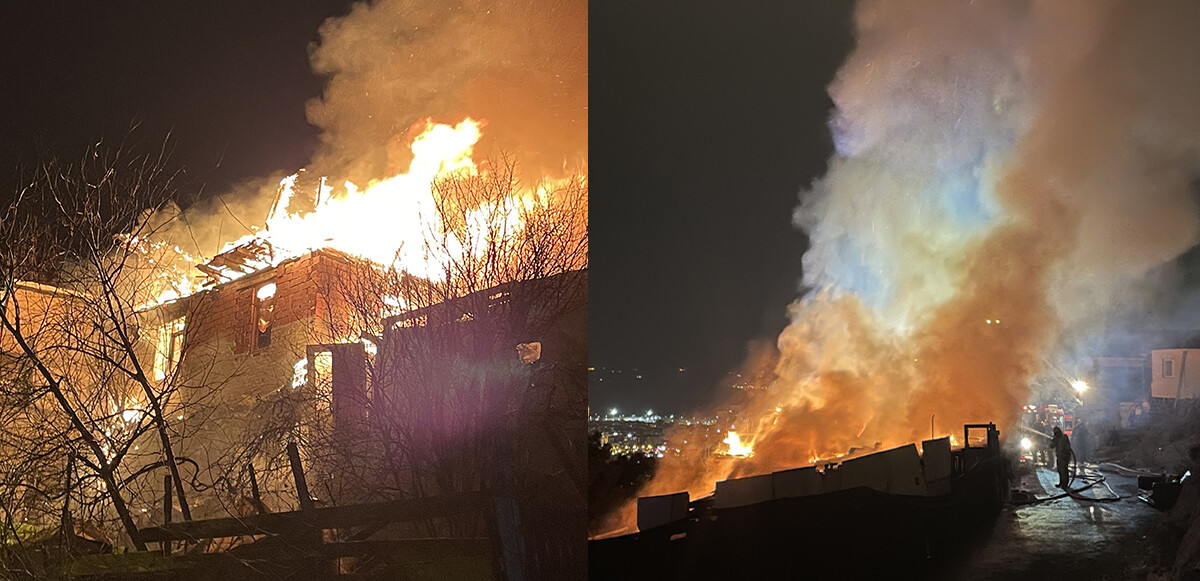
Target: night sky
x: 706, y: 126
x: 227, y: 80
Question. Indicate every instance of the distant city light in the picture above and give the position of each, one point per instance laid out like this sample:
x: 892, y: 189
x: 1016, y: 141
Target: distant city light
x: 644, y: 434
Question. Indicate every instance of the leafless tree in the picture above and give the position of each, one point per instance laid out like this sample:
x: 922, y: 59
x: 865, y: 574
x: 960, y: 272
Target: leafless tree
x: 80, y: 374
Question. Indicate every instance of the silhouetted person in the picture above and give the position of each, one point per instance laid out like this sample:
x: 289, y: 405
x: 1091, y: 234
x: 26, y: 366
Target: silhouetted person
x: 1083, y: 442
x: 1043, y: 428
x: 1062, y: 456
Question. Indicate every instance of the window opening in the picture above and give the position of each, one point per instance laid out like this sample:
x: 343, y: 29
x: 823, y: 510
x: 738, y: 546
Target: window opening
x: 264, y: 315
x: 170, y: 348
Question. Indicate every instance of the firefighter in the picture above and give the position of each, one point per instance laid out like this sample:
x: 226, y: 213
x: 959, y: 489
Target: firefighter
x: 1083, y: 442
x: 1043, y: 428
x: 1062, y: 455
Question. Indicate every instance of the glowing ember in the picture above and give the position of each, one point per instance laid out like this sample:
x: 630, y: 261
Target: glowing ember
x: 300, y: 373
x: 736, y: 448
x: 169, y: 269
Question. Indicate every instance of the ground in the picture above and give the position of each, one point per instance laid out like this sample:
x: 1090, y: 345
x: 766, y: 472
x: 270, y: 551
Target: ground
x: 1071, y: 538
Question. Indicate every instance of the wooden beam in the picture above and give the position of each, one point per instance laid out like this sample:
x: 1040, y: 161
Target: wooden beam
x: 67, y: 525
x: 332, y: 517
x: 398, y: 549
x: 306, y: 500
x: 269, y: 558
x: 258, y: 503
x: 166, y: 545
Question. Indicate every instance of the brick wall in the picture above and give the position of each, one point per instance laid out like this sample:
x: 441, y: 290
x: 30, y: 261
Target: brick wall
x: 225, y: 375
x: 305, y: 294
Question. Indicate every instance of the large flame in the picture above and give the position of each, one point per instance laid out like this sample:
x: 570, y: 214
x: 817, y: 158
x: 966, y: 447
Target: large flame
x: 736, y: 447
x: 522, y: 66
x: 389, y: 222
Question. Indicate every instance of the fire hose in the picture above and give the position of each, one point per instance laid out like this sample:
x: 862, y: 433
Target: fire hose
x: 1088, y: 477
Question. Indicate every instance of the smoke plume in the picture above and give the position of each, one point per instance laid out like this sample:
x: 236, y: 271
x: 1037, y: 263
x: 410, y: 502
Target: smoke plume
x: 519, y: 67
x: 1006, y: 174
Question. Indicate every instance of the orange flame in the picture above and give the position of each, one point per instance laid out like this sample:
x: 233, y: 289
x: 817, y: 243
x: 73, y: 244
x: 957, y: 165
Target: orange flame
x: 736, y: 448
x: 388, y: 222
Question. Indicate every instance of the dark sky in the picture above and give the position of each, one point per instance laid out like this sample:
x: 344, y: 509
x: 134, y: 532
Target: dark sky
x: 706, y: 124
x: 228, y: 80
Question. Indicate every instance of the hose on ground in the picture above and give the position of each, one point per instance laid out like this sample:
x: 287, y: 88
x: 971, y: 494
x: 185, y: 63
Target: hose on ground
x: 1088, y: 477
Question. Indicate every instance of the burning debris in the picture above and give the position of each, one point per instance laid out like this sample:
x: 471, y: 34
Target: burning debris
x: 736, y: 448
x: 249, y: 257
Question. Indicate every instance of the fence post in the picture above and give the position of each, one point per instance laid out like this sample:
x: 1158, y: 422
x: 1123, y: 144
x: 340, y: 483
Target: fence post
x: 166, y: 545
x: 258, y: 503
x: 306, y: 501
x: 67, y: 527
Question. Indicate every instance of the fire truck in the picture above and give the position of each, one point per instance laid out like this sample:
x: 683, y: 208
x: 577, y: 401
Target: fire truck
x: 1044, y: 418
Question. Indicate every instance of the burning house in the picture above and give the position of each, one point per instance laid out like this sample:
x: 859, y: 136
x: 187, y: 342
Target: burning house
x: 244, y: 338
x: 301, y: 351
x: 403, y: 321
x: 445, y: 355
x: 485, y: 390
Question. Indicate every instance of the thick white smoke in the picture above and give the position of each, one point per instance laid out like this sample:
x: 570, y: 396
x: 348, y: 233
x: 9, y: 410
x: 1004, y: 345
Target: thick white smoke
x: 1005, y: 174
